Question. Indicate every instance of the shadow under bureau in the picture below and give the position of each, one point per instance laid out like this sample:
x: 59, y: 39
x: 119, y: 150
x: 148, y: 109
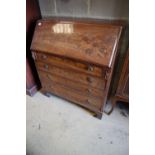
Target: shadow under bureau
x: 75, y: 60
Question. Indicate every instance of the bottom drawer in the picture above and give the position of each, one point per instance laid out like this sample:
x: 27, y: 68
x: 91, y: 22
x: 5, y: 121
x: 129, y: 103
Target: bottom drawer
x: 71, y: 95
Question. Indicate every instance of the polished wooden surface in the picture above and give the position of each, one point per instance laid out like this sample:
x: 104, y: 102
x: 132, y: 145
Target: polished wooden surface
x: 76, y: 60
x: 72, y: 75
x: 81, y: 88
x: 123, y: 85
x: 71, y: 94
x: 122, y: 92
x: 70, y: 64
x: 32, y: 15
x: 77, y: 40
x: 31, y: 87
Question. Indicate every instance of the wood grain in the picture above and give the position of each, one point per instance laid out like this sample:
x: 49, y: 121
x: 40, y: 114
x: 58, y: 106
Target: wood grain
x: 75, y: 60
x: 79, y: 41
x: 123, y: 85
x: 80, y: 88
x: 122, y: 92
x: 72, y: 75
x: 71, y: 95
x: 70, y: 64
x: 32, y: 15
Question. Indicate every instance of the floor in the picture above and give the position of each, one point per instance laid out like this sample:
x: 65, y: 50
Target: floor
x: 57, y: 127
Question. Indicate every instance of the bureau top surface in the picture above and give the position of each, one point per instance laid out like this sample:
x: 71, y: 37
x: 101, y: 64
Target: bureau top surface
x: 89, y: 42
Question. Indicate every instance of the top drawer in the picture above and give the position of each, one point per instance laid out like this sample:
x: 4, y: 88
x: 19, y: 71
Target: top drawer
x: 68, y: 63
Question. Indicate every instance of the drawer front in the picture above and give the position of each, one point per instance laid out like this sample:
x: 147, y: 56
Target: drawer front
x: 47, y: 78
x: 71, y: 64
x: 69, y: 94
x: 72, y: 75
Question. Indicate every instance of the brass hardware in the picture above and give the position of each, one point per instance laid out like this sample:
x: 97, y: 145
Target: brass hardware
x: 44, y: 56
x: 106, y: 78
x: 89, y: 79
x: 106, y: 75
x: 90, y: 68
x: 46, y: 66
x: 88, y: 101
x: 88, y: 90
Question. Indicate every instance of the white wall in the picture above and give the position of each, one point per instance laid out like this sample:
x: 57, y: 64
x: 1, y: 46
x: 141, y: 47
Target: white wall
x: 102, y: 9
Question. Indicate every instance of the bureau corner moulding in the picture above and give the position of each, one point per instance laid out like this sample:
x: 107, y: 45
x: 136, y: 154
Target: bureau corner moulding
x: 75, y: 60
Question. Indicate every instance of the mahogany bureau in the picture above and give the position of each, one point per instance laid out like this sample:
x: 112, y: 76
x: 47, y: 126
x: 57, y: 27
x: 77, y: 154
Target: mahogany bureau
x: 75, y: 60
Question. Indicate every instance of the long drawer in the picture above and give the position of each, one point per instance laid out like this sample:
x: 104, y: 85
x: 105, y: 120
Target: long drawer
x: 72, y: 75
x: 71, y: 95
x: 70, y: 64
x: 48, y: 78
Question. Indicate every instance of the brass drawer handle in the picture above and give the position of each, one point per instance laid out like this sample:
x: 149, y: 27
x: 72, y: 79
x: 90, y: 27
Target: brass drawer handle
x: 44, y: 56
x: 89, y: 90
x: 90, y: 68
x: 88, y: 101
x: 89, y: 79
x: 46, y: 66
